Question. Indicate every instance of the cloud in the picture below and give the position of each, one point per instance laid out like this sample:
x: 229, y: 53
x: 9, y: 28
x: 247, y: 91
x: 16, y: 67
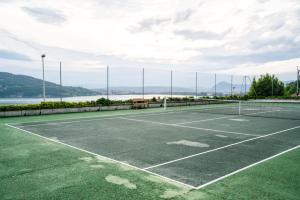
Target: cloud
x: 13, y: 55
x: 200, y: 35
x: 276, y: 67
x: 183, y: 16
x: 8, y: 1
x: 46, y: 15
x: 162, y: 34
x: 149, y: 24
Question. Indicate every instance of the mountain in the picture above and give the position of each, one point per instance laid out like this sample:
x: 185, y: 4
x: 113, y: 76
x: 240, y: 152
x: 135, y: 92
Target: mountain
x: 150, y: 90
x: 287, y: 82
x: 13, y: 86
x: 225, y: 88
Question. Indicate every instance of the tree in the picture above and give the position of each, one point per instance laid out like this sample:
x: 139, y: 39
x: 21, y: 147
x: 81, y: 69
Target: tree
x: 266, y: 86
x: 291, y: 88
x: 252, y: 90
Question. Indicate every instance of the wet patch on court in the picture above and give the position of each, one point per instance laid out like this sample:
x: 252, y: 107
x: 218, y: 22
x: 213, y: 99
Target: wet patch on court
x: 221, y: 136
x: 239, y: 120
x: 189, y: 143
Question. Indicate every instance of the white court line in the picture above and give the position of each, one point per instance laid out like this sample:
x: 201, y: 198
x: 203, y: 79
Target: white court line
x: 95, y: 154
x: 219, y: 148
x: 68, y: 122
x: 182, y: 126
x: 87, y: 119
x: 249, y: 114
x: 116, y: 116
x: 163, y: 177
x: 101, y: 116
x: 205, y: 120
x: 215, y: 130
x: 247, y: 167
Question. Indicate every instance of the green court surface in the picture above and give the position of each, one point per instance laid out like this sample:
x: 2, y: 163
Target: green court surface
x: 190, y: 148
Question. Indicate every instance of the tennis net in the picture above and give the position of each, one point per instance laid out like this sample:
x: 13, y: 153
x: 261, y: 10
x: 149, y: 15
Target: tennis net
x: 283, y: 109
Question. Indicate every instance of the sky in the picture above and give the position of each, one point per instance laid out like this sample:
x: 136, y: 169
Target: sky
x: 248, y: 37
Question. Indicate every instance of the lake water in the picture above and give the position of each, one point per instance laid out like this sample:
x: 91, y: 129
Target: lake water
x: 78, y: 99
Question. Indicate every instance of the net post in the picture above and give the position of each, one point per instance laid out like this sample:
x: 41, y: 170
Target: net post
x: 165, y: 103
x: 240, y: 106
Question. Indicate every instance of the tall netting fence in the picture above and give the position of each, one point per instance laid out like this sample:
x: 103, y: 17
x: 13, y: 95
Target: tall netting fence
x: 80, y: 81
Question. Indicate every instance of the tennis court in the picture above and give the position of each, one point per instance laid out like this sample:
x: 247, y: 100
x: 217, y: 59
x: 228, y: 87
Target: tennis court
x: 192, y: 145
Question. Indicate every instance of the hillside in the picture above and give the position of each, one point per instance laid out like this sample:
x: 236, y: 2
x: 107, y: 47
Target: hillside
x: 149, y: 90
x: 13, y: 86
x: 225, y: 87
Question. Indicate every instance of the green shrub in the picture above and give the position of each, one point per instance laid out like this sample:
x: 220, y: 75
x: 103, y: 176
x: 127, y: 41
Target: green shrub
x: 104, y: 102
x: 153, y: 99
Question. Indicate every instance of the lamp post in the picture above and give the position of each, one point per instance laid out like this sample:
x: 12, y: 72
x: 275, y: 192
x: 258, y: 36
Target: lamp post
x: 43, y: 66
x: 60, y: 82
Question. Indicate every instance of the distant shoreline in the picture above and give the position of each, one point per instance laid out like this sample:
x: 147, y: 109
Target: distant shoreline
x: 81, y: 98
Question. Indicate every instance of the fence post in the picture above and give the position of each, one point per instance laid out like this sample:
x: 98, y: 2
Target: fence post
x: 215, y: 85
x: 107, y: 82
x: 196, y: 85
x: 171, y: 84
x: 143, y: 83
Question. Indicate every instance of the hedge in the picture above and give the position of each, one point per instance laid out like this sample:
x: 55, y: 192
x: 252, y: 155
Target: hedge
x: 106, y: 102
x: 55, y: 105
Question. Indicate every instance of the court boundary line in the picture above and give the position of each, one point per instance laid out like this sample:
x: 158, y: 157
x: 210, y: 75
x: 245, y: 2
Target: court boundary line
x: 103, y: 117
x: 89, y: 118
x: 190, y: 127
x: 204, y: 120
x: 104, y: 157
x: 247, y: 167
x: 223, y: 147
x: 142, y: 113
x: 161, y: 176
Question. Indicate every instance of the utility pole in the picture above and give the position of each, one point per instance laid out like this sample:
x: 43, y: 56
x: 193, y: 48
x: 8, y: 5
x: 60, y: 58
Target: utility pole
x: 298, y: 75
x: 171, y: 84
x: 231, y: 85
x: 107, y: 82
x: 272, y: 85
x: 196, y: 85
x: 60, y: 82
x: 43, y: 66
x: 143, y: 84
x: 215, y: 85
x: 245, y: 85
